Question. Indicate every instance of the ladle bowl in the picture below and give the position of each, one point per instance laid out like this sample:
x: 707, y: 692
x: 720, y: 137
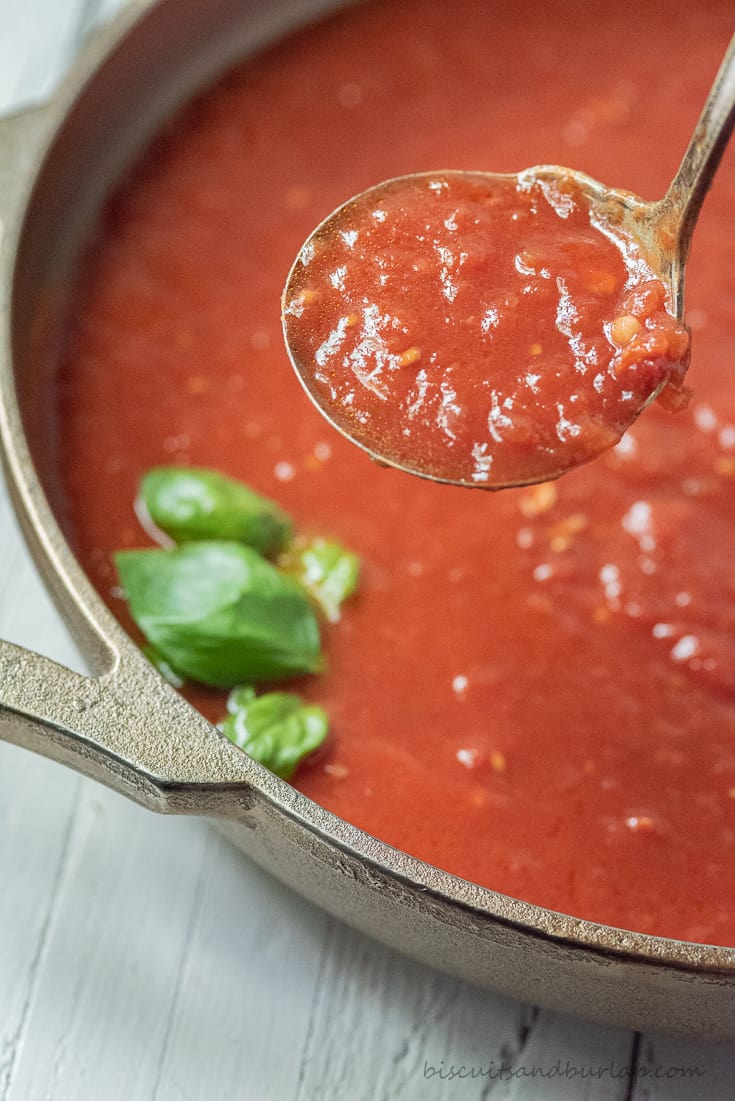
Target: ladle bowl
x: 659, y: 233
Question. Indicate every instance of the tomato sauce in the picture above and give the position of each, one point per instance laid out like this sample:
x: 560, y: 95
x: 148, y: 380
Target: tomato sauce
x: 492, y: 332
x: 533, y: 689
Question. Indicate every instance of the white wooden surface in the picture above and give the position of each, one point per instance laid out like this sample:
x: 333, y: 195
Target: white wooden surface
x: 144, y: 958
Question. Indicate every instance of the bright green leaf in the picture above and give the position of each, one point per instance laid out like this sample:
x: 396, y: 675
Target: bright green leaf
x: 328, y: 571
x: 276, y: 729
x: 220, y: 613
x: 240, y: 698
x: 191, y: 504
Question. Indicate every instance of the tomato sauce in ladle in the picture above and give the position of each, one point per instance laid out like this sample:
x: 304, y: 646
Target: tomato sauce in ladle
x: 498, y: 330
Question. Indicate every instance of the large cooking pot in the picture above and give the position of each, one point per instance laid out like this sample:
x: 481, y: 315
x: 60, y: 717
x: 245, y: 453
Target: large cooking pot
x: 123, y: 725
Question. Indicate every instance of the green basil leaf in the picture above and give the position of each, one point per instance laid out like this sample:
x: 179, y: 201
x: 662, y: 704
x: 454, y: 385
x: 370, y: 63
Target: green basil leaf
x: 328, y: 571
x: 191, y: 504
x: 220, y: 613
x: 240, y: 698
x: 276, y: 729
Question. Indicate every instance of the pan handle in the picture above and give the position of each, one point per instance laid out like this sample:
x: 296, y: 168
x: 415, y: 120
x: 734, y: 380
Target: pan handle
x: 126, y: 728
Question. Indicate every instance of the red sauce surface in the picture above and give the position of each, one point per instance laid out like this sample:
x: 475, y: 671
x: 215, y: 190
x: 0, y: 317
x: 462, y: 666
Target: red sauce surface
x: 534, y: 689
x: 492, y: 332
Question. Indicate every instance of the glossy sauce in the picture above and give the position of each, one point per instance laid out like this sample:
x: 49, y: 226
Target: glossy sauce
x: 534, y: 689
x: 492, y: 332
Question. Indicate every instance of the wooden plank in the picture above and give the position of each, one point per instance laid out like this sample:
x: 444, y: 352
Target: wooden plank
x: 117, y: 942
x: 674, y: 1068
x: 565, y: 1059
x: 419, y: 1034
x: 396, y: 1021
x: 37, y: 802
x: 246, y: 989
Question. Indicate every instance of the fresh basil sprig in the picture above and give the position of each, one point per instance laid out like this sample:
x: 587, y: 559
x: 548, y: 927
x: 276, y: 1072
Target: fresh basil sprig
x: 276, y: 729
x: 327, y: 570
x: 218, y: 612
x: 190, y: 504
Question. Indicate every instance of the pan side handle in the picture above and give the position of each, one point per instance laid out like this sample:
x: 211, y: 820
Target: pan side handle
x: 127, y: 729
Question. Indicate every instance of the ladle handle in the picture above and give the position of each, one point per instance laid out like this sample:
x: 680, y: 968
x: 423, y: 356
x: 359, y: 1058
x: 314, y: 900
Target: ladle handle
x: 711, y: 134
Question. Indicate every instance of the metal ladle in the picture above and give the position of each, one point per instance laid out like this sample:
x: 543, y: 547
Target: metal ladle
x: 663, y: 230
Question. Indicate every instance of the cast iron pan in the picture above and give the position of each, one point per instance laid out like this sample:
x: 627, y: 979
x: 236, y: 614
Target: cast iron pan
x: 123, y: 725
